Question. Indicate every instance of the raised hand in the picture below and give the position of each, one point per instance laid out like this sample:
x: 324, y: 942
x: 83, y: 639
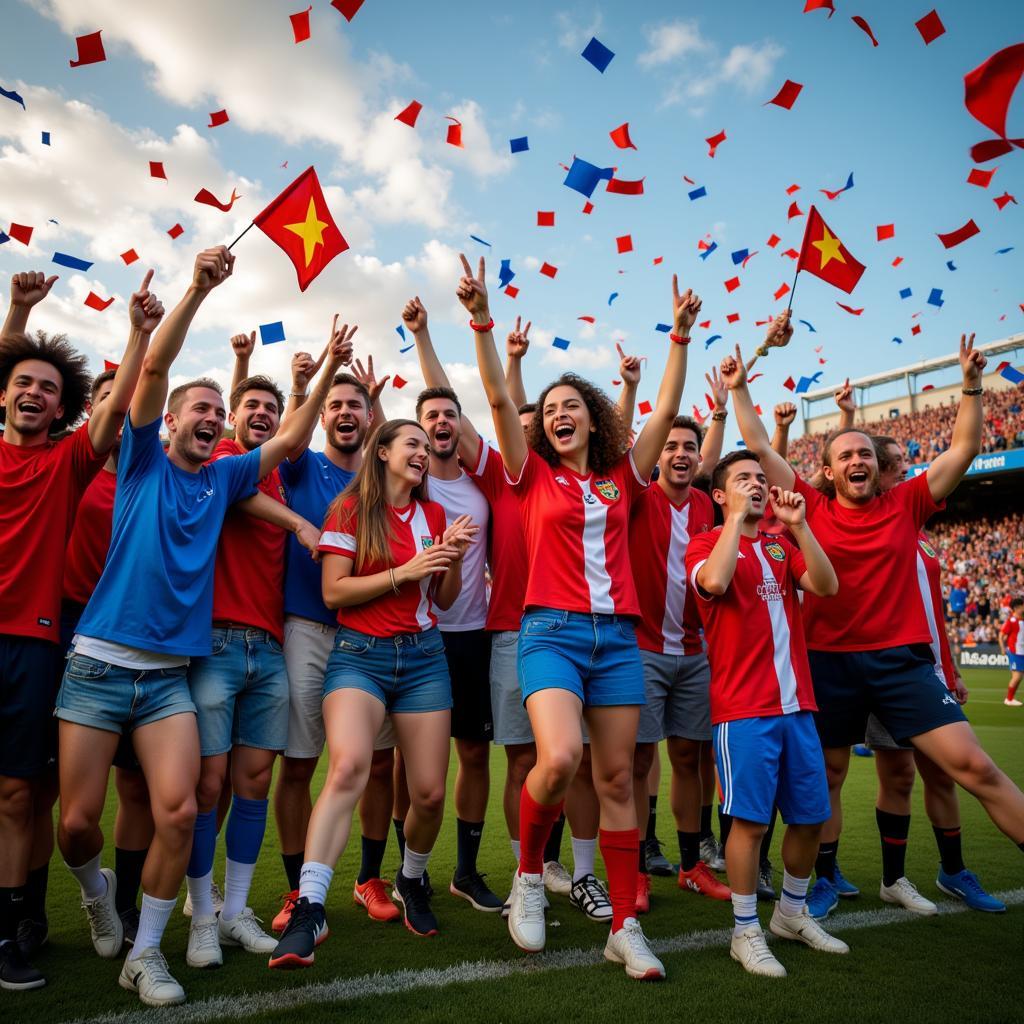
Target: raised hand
x: 719, y: 392
x: 518, y: 342
x: 145, y: 310
x: 304, y: 369
x: 338, y: 351
x: 30, y: 287
x: 414, y: 314
x: 972, y: 362
x: 243, y: 345
x: 780, y: 330
x: 785, y: 413
x: 789, y: 506
x: 472, y: 292
x: 366, y: 377
x: 213, y: 267
x: 734, y: 372
x: 629, y: 366
x: 685, y: 308
x: 740, y: 500
x: 460, y: 535
x: 844, y: 397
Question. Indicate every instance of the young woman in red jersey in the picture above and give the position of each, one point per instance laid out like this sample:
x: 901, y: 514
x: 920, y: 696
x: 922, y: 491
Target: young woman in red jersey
x: 576, y: 478
x: 389, y: 561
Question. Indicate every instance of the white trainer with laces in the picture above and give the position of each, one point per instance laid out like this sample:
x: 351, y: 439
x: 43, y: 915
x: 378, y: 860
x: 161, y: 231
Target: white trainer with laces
x: 147, y: 975
x: 712, y: 853
x: 526, y: 912
x: 628, y: 946
x: 245, y: 931
x: 104, y: 921
x: 556, y: 878
x: 204, y: 943
x: 1012, y: 702
x: 750, y: 949
x: 904, y: 893
x: 803, y: 928
x: 215, y: 895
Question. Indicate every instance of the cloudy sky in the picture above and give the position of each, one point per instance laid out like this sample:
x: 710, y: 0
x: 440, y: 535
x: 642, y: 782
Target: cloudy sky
x: 407, y: 202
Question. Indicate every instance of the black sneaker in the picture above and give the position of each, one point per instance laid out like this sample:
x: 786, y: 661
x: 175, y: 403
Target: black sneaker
x: 130, y: 920
x: 16, y: 973
x: 426, y: 880
x: 765, y: 885
x: 657, y: 862
x: 476, y: 892
x: 306, y: 929
x: 32, y: 936
x: 412, y: 896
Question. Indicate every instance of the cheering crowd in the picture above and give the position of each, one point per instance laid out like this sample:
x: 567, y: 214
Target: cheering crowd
x: 186, y: 615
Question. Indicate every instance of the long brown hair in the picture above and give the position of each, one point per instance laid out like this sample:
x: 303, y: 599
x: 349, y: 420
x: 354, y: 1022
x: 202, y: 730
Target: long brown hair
x: 373, y: 528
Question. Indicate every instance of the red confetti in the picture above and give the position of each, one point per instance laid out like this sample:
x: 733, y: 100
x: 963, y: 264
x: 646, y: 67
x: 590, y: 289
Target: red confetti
x: 90, y: 50
x: 156, y: 170
x: 850, y: 309
x: 732, y: 284
x: 548, y: 270
x: 108, y: 365
x: 792, y: 254
x: 545, y: 218
x: 781, y: 290
x: 21, y: 233
x: 794, y: 211
x: 705, y: 324
x: 511, y: 291
x: 896, y: 262
x: 951, y: 238
x: 789, y: 383
x: 865, y: 28
x: 732, y: 318
x: 349, y: 9
x: 454, y: 131
x: 714, y: 141
x: 981, y: 178
x: 916, y: 329
x: 930, y: 27
x: 753, y: 377
x: 625, y: 188
x: 205, y: 196
x: 988, y: 90
x: 129, y: 257
x: 300, y: 24
x: 884, y: 231
x: 645, y: 408
x: 93, y: 301
x: 624, y: 243
x: 1001, y: 201
x: 588, y: 207
x: 176, y: 231
x: 787, y: 95
x: 588, y: 319
x: 928, y: 387
x: 409, y: 115
x: 820, y: 5
x: 217, y: 118
x: 398, y: 381
x: 792, y: 189
x: 689, y: 180
x: 620, y: 136
x: 658, y: 259
x: 773, y: 241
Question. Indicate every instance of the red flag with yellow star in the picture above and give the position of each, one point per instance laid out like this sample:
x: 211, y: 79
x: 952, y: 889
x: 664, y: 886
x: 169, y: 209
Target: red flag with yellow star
x: 824, y: 256
x: 300, y: 223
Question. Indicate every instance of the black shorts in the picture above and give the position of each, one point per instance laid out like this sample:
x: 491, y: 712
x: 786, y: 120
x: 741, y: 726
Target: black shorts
x: 469, y: 664
x: 30, y: 673
x: 899, y: 685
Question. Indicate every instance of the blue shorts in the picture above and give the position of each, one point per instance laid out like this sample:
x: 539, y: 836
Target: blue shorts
x: 899, y: 685
x: 115, y: 699
x: 592, y: 656
x: 1016, y: 662
x: 771, y: 762
x: 407, y: 673
x: 240, y: 692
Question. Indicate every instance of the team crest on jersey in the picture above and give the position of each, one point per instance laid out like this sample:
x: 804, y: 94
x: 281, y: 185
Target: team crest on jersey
x: 608, y: 489
x: 426, y: 541
x: 776, y: 551
x: 926, y: 547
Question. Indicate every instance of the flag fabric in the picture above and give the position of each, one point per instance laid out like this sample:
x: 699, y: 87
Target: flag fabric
x: 988, y: 90
x: 824, y: 255
x: 299, y: 221
x: 90, y: 49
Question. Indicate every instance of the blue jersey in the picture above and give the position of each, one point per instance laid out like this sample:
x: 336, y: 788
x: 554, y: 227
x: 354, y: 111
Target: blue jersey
x: 156, y: 590
x: 311, y: 483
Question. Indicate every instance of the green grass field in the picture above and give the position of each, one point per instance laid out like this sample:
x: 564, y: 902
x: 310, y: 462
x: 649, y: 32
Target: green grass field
x: 962, y: 967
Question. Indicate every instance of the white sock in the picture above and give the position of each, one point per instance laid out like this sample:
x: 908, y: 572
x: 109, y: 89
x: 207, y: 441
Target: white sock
x: 89, y: 878
x: 794, y: 894
x: 583, y: 851
x: 314, y: 880
x: 515, y: 850
x: 153, y: 920
x: 414, y: 864
x: 202, y: 898
x: 237, y: 879
x: 744, y: 912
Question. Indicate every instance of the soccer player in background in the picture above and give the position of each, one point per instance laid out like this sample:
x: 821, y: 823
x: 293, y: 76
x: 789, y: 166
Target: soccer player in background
x: 1011, y: 643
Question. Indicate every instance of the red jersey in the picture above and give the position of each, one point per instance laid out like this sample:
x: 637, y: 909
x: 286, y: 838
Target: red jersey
x: 1014, y: 635
x: 42, y: 485
x: 929, y: 583
x: 248, y: 575
x: 413, y: 528
x: 669, y: 620
x: 754, y: 630
x: 507, y: 551
x: 577, y: 536
x: 873, y: 549
x: 87, y: 550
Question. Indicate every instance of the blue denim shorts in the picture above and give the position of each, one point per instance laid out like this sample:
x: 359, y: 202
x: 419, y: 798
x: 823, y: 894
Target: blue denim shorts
x: 593, y: 656
x: 407, y: 673
x: 241, y: 692
x: 104, y: 696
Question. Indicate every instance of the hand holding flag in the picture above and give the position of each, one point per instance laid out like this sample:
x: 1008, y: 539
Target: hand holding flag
x: 780, y: 330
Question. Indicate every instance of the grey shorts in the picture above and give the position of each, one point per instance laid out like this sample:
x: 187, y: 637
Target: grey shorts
x: 511, y: 722
x: 678, y: 690
x: 878, y: 737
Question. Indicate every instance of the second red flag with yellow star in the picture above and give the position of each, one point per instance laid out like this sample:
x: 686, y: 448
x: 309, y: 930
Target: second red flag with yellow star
x: 824, y: 256
x: 300, y: 223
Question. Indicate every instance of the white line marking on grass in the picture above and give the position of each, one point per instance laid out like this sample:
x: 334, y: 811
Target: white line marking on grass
x: 344, y: 990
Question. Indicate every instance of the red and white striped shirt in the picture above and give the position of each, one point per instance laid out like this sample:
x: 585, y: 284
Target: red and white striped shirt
x: 1014, y: 635
x: 929, y: 573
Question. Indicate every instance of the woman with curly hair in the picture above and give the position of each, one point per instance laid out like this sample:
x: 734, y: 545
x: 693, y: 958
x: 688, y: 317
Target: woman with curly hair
x: 575, y: 478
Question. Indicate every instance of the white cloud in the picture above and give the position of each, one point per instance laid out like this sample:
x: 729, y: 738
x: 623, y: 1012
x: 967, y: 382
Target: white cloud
x: 573, y: 32
x: 750, y: 66
x: 669, y: 41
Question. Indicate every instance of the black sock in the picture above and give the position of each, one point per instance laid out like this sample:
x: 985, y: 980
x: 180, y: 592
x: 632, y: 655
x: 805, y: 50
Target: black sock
x: 724, y: 827
x: 293, y: 867
x: 642, y: 861
x: 373, y: 857
x: 766, y: 839
x: 553, y: 847
x: 893, y: 830
x: 128, y: 868
x: 34, y: 907
x: 825, y: 864
x: 468, y: 835
x: 399, y: 825
x: 12, y: 909
x: 705, y: 821
x: 689, y: 849
x: 652, y: 819
x: 948, y: 842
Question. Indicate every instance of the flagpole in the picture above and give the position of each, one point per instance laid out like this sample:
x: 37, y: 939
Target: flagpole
x: 792, y: 291
x: 242, y: 235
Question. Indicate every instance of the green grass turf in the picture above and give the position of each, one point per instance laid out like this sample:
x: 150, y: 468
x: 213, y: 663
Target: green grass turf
x: 961, y: 967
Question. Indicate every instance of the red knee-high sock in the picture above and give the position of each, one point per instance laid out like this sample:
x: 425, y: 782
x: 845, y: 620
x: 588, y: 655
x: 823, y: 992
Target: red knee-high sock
x: 535, y: 821
x: 619, y: 852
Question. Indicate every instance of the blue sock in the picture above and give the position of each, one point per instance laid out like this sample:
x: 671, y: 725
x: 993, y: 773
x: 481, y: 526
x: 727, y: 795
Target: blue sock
x: 204, y: 843
x: 246, y: 825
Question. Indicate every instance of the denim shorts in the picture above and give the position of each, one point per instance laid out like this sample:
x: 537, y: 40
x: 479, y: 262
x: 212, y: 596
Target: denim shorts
x: 407, y: 673
x: 240, y: 692
x: 115, y: 699
x: 592, y: 656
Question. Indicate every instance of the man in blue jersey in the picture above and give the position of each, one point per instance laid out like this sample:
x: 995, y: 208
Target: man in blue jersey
x: 150, y: 612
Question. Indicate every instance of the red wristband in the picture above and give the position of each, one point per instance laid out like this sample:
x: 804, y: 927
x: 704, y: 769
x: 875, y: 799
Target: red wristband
x: 679, y: 340
x: 482, y: 328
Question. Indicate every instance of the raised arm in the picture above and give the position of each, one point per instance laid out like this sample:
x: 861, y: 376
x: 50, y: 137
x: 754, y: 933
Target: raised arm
x: 27, y: 289
x: 368, y: 379
x: 516, y: 345
x: 472, y: 293
x: 715, y: 575
x: 714, y: 436
x: 652, y: 438
x: 629, y: 372
x: 791, y: 510
x: 847, y: 405
x: 947, y: 470
x: 243, y: 345
x: 212, y: 267
x: 785, y: 413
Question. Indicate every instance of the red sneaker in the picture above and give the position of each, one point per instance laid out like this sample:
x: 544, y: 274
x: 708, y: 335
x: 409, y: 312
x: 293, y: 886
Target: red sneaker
x: 372, y: 896
x: 284, y: 915
x: 643, y: 892
x: 700, y: 880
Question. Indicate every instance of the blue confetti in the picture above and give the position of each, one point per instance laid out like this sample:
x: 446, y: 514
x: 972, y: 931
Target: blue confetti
x: 739, y: 256
x: 73, y: 262
x: 808, y: 325
x: 1000, y: 252
x: 401, y: 331
x: 950, y: 265
x: 408, y: 348
x: 562, y: 343
x: 905, y: 293
x: 709, y: 250
x: 612, y: 297
x: 520, y: 145
x: 46, y: 138
x: 804, y: 384
x: 480, y: 240
x: 935, y: 298
x: 664, y: 328
x: 597, y: 54
x: 271, y: 333
x: 12, y: 95
x: 506, y: 273
x: 583, y: 176
x: 710, y: 341
x: 4, y: 237
x: 898, y: 341
x: 697, y: 193
x: 1012, y: 374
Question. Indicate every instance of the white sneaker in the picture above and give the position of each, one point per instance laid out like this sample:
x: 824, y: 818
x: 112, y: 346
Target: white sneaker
x: 526, y: 912
x: 245, y: 931
x: 904, y: 892
x: 750, y: 949
x: 1012, y: 702
x: 803, y: 928
x: 215, y: 895
x: 711, y: 852
x: 629, y: 946
x: 104, y: 920
x: 147, y: 974
x: 204, y: 943
x: 556, y: 878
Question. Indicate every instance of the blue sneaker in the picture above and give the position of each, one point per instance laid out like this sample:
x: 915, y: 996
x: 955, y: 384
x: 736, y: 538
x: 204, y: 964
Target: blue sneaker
x: 964, y: 885
x: 843, y: 886
x: 863, y: 750
x: 822, y: 899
